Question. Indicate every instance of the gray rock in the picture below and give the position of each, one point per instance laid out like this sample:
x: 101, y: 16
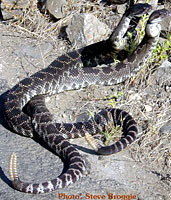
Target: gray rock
x: 85, y: 29
x: 34, y: 51
x: 115, y: 1
x: 163, y: 72
x: 152, y: 3
x: 166, y: 128
x: 11, y: 3
x: 13, y: 7
x: 55, y: 7
x: 84, y: 116
x: 3, y: 85
x: 166, y: 25
x: 121, y: 9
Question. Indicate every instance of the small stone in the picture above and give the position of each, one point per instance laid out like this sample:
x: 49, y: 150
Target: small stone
x: 1, y: 67
x: 47, y: 99
x: 134, y: 97
x: 165, y: 128
x: 83, y: 117
x: 148, y: 108
x: 152, y: 3
x: 165, y: 64
x: 162, y: 75
x: 10, y: 8
x: 55, y: 7
x: 121, y: 9
x: 15, y: 3
x: 3, y: 85
x: 116, y: 2
x: 85, y: 29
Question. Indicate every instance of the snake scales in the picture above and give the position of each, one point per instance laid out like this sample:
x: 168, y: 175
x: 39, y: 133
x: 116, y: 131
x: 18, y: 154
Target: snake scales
x: 63, y: 74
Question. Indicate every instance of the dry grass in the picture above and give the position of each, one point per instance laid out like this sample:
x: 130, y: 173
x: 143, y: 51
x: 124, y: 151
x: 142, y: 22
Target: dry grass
x: 34, y: 23
x: 40, y: 25
x: 153, y: 146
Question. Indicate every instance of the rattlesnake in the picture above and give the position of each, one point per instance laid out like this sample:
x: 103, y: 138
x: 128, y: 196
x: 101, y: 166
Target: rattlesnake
x: 63, y: 74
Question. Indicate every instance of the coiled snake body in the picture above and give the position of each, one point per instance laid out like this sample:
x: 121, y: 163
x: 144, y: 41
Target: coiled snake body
x: 64, y: 74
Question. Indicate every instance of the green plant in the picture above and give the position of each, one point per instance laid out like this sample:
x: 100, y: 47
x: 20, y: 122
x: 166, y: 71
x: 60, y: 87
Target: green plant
x: 112, y: 133
x: 139, y: 35
x: 113, y: 98
x: 160, y: 53
x: 133, y: 44
x: 115, y: 57
x: 91, y: 114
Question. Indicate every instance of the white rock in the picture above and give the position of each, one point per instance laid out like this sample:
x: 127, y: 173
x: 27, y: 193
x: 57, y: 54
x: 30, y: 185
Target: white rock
x: 85, y: 29
x: 55, y: 7
x: 148, y: 108
x: 135, y: 97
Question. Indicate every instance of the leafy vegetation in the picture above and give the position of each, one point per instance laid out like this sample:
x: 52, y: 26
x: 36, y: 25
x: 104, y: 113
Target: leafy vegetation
x: 113, y: 99
x: 161, y: 52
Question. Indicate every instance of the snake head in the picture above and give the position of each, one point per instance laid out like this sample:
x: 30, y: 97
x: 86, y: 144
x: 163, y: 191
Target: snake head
x: 138, y: 10
x: 158, y: 15
x: 153, y: 26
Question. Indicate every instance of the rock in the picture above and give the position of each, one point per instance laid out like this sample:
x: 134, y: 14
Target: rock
x: 1, y: 67
x: 55, y: 7
x: 134, y: 97
x: 152, y: 3
x: 121, y: 9
x: 115, y: 1
x: 165, y: 128
x: 34, y: 51
x: 84, y: 116
x: 148, y: 108
x: 85, y: 29
x: 15, y: 3
x: 166, y: 24
x: 162, y: 75
x: 10, y: 8
x: 3, y: 85
x: 166, y: 64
